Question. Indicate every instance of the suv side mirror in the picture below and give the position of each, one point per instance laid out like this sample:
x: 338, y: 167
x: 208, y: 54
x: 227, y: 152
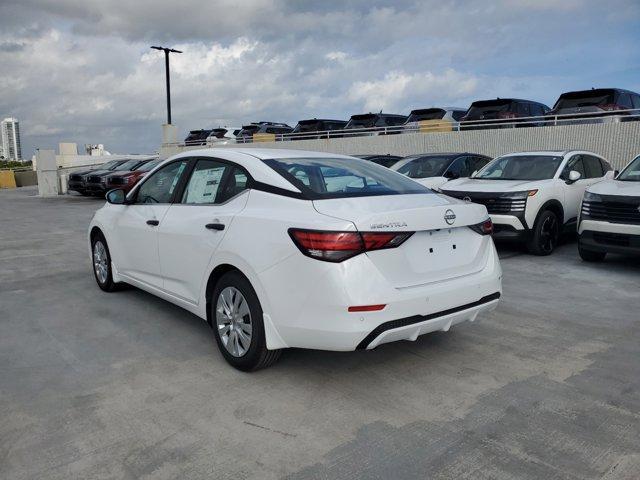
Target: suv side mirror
x: 116, y: 196
x: 451, y: 175
x: 574, y: 176
x: 611, y: 174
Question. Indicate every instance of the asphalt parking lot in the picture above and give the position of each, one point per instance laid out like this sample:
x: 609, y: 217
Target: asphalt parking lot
x: 125, y: 385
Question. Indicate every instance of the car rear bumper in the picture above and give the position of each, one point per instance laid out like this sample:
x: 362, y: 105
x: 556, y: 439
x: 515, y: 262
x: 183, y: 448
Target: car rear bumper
x: 310, y: 309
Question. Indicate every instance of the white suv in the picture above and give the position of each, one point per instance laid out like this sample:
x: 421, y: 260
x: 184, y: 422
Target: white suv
x: 610, y: 216
x: 533, y: 196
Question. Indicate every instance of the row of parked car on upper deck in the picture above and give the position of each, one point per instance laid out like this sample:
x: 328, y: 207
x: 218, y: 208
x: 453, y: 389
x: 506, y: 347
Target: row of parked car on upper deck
x: 585, y: 106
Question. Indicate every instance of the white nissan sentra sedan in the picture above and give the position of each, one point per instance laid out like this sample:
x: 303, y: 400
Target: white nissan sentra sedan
x: 286, y: 248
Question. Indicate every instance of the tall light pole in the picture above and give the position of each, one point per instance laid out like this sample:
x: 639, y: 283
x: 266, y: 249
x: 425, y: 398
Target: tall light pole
x: 166, y: 67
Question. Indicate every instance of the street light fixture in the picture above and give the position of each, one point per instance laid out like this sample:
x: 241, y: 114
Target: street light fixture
x: 166, y: 67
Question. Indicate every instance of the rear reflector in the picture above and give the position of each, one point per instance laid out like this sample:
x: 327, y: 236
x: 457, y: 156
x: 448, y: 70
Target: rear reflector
x: 333, y: 246
x: 367, y: 308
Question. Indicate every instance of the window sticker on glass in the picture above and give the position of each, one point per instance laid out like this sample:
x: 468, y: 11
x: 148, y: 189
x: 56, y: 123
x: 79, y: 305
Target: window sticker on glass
x: 203, y: 185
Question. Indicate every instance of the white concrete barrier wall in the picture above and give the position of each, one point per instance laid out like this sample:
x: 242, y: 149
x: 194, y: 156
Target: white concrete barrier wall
x: 617, y: 142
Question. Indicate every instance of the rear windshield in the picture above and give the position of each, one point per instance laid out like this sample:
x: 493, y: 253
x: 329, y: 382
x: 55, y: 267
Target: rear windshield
x: 147, y: 167
x: 249, y: 130
x: 426, y: 114
x: 521, y: 167
x: 632, y: 172
x: 128, y: 165
x: 364, y: 121
x: 587, y: 98
x: 489, y: 106
x: 319, y: 178
x: 425, y: 167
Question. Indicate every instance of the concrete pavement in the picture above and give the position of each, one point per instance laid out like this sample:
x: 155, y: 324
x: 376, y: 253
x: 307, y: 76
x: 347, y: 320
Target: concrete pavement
x: 127, y: 386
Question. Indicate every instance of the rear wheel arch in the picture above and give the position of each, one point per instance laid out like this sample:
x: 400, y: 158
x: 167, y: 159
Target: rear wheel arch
x: 214, y: 277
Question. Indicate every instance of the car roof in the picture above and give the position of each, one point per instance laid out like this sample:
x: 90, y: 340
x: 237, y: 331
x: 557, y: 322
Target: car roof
x: 251, y: 159
x: 490, y: 100
x: 556, y: 153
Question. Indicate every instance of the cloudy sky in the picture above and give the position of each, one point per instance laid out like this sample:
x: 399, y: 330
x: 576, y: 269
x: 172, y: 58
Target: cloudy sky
x: 82, y: 71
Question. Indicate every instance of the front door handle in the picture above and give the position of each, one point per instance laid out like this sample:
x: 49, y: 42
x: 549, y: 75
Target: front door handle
x: 215, y: 226
x: 153, y: 223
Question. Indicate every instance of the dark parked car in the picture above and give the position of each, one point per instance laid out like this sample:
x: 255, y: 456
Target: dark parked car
x: 78, y: 180
x: 197, y: 137
x: 359, y: 124
x: 435, y: 169
x: 604, y: 103
x: 307, y: 129
x: 503, y: 110
x: 448, y: 114
x: 96, y: 180
x: 127, y: 179
x: 384, y: 160
x: 248, y: 131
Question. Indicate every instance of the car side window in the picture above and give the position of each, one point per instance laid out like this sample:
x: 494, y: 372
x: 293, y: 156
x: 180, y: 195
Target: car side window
x: 624, y: 99
x: 204, y: 183
x: 575, y: 163
x: 479, y: 162
x: 592, y: 166
x: 461, y: 167
x: 635, y: 99
x: 159, y: 187
x: 236, y: 182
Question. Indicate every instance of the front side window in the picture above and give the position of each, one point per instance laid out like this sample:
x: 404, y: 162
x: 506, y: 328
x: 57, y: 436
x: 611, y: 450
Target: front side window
x: 592, y: 166
x: 521, y: 167
x: 425, y: 167
x: 460, y: 168
x: 632, y: 172
x: 159, y: 187
x: 204, y: 183
x: 575, y: 163
x: 319, y: 178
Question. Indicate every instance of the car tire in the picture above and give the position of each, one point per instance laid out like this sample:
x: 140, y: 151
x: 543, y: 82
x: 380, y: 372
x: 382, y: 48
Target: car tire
x: 545, y: 235
x: 591, y: 255
x: 84, y: 193
x: 101, y: 259
x: 236, y: 319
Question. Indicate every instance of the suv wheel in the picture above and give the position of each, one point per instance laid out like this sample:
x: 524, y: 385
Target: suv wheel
x: 591, y: 255
x: 546, y: 233
x: 236, y: 318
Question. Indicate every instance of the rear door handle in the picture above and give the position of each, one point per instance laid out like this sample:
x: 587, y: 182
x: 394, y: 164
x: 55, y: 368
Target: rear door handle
x: 215, y: 226
x: 153, y: 223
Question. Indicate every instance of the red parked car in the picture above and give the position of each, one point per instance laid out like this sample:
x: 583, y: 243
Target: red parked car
x: 127, y: 179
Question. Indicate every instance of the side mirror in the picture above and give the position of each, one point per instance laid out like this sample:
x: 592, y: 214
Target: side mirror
x: 116, y: 196
x: 610, y: 175
x: 574, y: 176
x: 451, y: 175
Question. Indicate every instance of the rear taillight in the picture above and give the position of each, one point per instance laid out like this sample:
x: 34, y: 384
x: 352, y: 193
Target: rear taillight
x: 611, y: 106
x: 483, y: 228
x: 339, y: 246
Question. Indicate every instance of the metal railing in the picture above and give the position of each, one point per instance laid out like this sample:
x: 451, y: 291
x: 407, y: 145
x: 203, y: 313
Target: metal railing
x: 434, y: 126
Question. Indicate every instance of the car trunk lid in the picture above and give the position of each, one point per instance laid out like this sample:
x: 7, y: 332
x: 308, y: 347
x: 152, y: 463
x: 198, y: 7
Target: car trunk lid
x: 442, y: 246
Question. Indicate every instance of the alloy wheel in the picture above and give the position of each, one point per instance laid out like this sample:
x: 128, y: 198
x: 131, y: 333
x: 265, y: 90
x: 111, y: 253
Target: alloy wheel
x: 233, y: 319
x: 100, y: 261
x: 549, y: 234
